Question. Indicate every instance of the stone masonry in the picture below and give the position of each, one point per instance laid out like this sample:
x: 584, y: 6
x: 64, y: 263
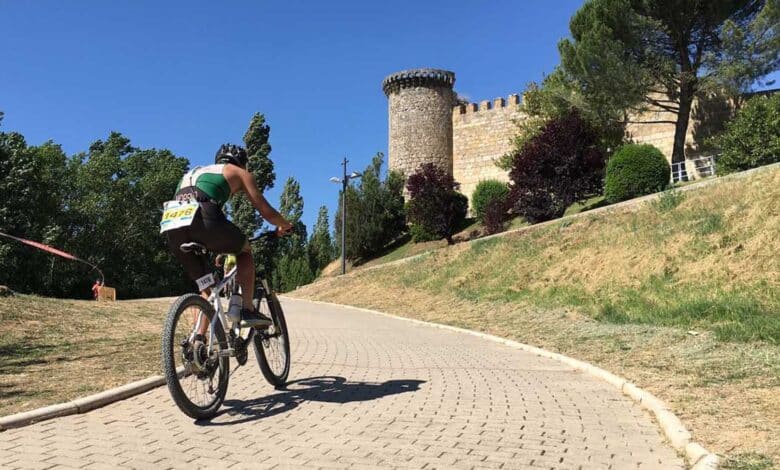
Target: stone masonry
x: 426, y: 124
x: 420, y: 118
x: 481, y: 134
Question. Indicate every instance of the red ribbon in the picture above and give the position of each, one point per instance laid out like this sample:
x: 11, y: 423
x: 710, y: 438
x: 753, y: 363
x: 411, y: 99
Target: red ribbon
x: 53, y: 250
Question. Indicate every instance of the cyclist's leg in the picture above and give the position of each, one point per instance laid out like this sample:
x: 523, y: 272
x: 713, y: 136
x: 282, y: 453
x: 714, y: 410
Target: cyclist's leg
x: 195, y: 265
x: 222, y: 236
x: 245, y: 275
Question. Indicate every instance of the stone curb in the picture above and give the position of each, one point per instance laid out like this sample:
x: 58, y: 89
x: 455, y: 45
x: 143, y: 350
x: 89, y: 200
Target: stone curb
x: 81, y: 405
x: 698, y: 457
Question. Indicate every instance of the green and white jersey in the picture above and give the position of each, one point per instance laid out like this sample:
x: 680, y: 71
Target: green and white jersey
x: 208, y: 179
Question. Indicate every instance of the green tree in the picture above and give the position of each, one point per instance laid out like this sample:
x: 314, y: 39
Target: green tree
x: 555, y: 98
x: 635, y: 170
x: 752, y: 138
x: 659, y: 54
x: 114, y: 209
x: 292, y: 269
x: 375, y: 211
x: 242, y: 213
x: 103, y: 205
x: 291, y: 202
x: 320, y: 244
x: 31, y: 181
x: 256, y: 140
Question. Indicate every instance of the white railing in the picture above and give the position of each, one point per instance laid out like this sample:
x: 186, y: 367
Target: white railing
x: 704, y: 167
x: 679, y: 172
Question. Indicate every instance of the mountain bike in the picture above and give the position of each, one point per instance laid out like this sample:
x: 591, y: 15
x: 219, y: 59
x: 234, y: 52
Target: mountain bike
x: 196, y: 358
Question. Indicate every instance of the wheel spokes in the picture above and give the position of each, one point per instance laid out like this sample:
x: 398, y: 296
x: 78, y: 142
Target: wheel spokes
x: 272, y: 343
x: 198, y: 380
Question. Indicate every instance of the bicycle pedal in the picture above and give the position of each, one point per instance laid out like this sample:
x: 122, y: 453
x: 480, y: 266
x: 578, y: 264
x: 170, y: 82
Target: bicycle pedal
x: 227, y: 352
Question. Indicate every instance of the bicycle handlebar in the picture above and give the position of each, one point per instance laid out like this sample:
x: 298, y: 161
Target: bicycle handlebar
x: 266, y: 234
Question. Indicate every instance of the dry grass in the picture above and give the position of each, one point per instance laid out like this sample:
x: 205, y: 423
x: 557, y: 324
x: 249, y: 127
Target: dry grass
x: 622, y: 291
x: 56, y: 350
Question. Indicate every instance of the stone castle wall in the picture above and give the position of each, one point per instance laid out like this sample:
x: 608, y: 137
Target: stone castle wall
x: 467, y: 139
x: 420, y: 128
x: 419, y: 118
x: 482, y: 134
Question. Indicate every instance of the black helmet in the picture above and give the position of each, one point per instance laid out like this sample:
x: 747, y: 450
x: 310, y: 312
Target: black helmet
x: 229, y: 153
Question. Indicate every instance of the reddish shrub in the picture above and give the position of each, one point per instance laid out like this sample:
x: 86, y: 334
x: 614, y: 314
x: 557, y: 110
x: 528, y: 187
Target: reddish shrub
x: 562, y: 164
x: 434, y: 204
x: 494, y: 216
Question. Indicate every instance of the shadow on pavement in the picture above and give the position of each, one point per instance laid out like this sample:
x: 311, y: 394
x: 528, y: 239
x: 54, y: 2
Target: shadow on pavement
x: 331, y: 389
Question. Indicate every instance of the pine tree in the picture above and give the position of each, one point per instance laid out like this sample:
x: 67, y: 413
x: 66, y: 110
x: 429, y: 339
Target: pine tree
x: 262, y: 168
x: 375, y: 211
x: 658, y: 55
x: 320, y: 244
x: 293, y: 268
x: 260, y: 165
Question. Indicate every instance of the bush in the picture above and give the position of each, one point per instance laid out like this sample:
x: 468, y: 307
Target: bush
x: 421, y: 234
x: 635, y: 170
x: 486, y: 193
x: 495, y: 216
x: 434, y: 204
x: 752, y: 138
x: 560, y: 165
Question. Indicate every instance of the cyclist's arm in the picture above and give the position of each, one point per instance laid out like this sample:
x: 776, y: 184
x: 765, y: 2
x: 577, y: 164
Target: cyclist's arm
x: 259, y: 202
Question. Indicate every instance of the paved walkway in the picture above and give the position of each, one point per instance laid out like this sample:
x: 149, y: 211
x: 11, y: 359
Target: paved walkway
x: 368, y: 391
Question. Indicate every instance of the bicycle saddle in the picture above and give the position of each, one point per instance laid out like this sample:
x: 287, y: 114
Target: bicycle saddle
x: 195, y: 247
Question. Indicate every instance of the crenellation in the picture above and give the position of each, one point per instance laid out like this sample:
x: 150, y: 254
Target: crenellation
x: 420, y: 110
x: 480, y: 138
x: 426, y: 126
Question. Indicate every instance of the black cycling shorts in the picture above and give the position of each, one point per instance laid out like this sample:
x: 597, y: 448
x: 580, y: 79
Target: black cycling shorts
x: 210, y: 228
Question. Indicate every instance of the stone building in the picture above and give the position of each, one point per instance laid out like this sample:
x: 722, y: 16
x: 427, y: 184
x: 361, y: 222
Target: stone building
x: 420, y: 105
x: 427, y: 124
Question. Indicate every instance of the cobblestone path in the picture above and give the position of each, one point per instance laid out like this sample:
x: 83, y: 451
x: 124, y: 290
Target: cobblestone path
x: 367, y: 391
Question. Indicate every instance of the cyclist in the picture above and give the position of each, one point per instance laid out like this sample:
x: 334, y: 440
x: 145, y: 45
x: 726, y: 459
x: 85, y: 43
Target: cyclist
x: 211, y: 186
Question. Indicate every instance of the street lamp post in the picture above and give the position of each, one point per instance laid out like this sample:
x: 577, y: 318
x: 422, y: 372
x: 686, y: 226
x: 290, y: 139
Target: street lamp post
x: 344, y: 182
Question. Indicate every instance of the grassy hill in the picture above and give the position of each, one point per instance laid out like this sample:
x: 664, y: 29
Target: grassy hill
x: 681, y: 295
x: 55, y: 350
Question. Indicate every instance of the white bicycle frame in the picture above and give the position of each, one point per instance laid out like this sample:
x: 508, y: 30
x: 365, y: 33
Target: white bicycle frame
x: 220, y: 314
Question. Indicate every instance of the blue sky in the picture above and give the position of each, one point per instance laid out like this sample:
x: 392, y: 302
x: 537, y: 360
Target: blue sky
x: 189, y: 75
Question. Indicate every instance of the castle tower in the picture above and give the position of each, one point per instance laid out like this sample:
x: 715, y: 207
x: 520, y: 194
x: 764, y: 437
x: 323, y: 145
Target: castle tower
x: 420, y: 103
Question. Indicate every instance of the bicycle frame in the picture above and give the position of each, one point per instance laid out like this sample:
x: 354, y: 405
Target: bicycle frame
x: 214, y: 299
x: 220, y: 314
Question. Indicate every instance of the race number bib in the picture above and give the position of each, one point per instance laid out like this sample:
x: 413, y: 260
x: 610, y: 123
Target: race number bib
x: 205, y: 282
x: 178, y: 214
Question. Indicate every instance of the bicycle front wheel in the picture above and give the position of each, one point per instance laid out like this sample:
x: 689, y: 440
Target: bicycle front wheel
x: 196, y: 373
x: 272, y: 346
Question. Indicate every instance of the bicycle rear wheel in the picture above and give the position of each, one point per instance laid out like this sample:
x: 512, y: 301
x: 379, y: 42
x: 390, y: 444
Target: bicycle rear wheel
x: 272, y: 346
x: 196, y: 374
